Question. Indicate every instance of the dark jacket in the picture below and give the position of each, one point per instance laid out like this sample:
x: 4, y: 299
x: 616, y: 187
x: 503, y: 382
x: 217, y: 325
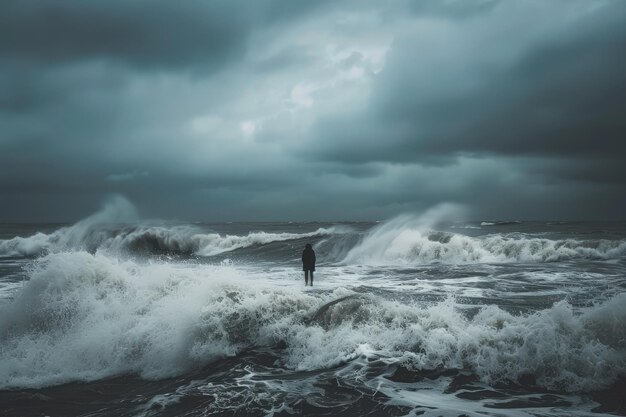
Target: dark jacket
x: 308, y: 259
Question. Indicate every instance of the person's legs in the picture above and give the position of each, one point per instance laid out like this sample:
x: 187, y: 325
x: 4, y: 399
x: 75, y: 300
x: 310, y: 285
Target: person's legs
x: 311, y: 272
x: 306, y: 277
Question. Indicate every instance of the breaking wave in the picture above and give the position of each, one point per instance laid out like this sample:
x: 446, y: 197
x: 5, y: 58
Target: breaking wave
x: 188, y: 240
x: 84, y: 317
x: 25, y: 246
x: 109, y: 230
x: 502, y: 223
x: 147, y: 239
x: 403, y: 240
x: 407, y: 240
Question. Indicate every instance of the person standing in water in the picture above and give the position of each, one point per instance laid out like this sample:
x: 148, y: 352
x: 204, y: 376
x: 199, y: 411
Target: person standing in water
x: 308, y: 263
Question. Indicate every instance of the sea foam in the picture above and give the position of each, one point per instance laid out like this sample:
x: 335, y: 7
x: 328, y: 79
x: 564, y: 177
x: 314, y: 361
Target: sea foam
x: 406, y: 239
x: 117, y: 229
x: 85, y: 317
x: 409, y: 240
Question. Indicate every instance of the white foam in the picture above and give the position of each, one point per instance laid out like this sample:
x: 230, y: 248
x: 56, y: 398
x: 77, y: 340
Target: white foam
x: 102, y: 231
x: 87, y: 317
x: 81, y: 235
x: 25, y: 246
x: 188, y: 239
x: 406, y: 240
x: 215, y: 244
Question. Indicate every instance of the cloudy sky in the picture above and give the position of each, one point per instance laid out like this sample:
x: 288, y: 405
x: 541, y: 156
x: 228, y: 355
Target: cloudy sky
x: 302, y: 110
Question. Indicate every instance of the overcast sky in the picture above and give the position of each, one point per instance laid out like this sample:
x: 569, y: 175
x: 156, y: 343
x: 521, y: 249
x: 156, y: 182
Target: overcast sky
x: 304, y: 110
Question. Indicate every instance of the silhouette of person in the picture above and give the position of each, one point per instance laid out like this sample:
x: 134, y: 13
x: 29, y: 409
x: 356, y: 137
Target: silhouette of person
x: 308, y: 263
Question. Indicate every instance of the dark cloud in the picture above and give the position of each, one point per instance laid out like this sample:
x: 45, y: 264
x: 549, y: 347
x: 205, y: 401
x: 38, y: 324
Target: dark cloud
x: 562, y: 97
x: 285, y: 58
x: 454, y: 8
x: 282, y: 110
x: 610, y: 171
x: 157, y: 35
x: 39, y: 40
x: 145, y: 34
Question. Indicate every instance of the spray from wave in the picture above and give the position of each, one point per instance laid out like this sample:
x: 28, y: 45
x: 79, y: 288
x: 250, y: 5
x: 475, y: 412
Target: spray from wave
x: 409, y: 239
x: 189, y: 240
x: 87, y: 317
x: 82, y: 235
x: 406, y: 239
x: 117, y: 228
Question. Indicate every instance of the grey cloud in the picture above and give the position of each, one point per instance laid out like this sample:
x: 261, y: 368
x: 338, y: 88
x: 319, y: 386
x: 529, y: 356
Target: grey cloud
x: 41, y: 39
x: 562, y: 97
x: 147, y: 34
x: 565, y: 100
x: 150, y: 100
x: 283, y: 60
x: 144, y: 34
x: 609, y: 171
x: 127, y: 176
x: 451, y: 8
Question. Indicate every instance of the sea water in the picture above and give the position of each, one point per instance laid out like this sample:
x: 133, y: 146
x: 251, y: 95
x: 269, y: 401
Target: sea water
x: 418, y: 315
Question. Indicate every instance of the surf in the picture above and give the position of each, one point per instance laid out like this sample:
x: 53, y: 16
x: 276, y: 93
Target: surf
x: 85, y: 317
x: 413, y: 240
x: 118, y: 229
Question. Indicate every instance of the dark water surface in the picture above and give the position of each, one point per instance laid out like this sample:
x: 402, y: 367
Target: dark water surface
x: 117, y: 316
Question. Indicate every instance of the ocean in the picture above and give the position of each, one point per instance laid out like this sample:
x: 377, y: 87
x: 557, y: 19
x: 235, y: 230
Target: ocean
x: 419, y: 315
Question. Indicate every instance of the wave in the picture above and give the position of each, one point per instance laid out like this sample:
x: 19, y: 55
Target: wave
x: 149, y: 239
x: 25, y: 246
x: 84, y: 317
x: 403, y: 240
x: 189, y: 240
x: 82, y: 235
x: 466, y: 226
x: 108, y: 230
x: 501, y: 223
x: 406, y: 240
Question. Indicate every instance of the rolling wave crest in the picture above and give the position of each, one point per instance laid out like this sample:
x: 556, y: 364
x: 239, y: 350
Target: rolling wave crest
x: 106, y: 230
x: 404, y: 240
x: 160, y: 320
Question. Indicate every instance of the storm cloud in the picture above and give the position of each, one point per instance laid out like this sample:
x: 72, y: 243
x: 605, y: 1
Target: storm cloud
x: 280, y: 110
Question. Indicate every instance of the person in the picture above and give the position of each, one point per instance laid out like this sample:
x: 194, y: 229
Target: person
x: 308, y: 263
